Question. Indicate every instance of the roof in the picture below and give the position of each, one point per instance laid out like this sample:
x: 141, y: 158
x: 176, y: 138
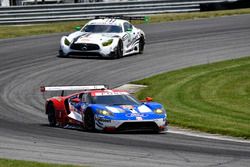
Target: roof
x: 107, y: 92
x: 108, y: 21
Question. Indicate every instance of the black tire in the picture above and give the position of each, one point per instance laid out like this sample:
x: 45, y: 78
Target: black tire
x: 62, y: 54
x: 89, y: 122
x: 118, y: 52
x: 51, y: 114
x: 141, y: 44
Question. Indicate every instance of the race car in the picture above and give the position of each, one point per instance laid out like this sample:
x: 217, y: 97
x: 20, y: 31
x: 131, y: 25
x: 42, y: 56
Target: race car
x: 104, y: 37
x: 96, y: 108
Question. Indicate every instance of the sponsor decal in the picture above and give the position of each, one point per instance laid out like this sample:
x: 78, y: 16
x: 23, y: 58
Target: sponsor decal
x: 134, y: 40
x: 109, y: 93
x: 125, y: 37
x: 136, y: 115
x: 100, y: 119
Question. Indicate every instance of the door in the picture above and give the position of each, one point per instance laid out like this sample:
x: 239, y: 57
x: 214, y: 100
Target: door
x: 130, y: 36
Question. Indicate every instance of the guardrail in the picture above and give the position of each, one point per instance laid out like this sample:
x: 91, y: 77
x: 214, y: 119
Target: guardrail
x: 80, y: 11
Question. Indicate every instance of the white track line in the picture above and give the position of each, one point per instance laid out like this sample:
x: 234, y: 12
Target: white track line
x: 205, y: 135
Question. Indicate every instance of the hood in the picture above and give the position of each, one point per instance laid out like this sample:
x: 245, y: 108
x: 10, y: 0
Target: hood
x: 83, y: 37
x: 131, y: 110
x: 142, y: 110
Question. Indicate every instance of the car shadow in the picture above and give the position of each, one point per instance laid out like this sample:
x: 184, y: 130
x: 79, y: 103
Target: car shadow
x: 75, y: 128
x: 92, y: 57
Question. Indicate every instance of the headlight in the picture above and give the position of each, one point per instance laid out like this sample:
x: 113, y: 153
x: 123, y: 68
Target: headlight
x: 66, y: 42
x: 107, y: 43
x: 105, y: 112
x: 160, y: 111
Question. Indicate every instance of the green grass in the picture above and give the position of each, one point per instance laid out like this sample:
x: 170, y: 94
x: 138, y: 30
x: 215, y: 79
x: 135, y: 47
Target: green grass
x: 37, y: 29
x: 19, y: 163
x: 27, y: 30
x: 214, y: 98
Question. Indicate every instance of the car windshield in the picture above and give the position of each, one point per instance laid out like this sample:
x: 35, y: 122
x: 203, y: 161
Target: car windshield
x: 102, y: 29
x: 115, y: 100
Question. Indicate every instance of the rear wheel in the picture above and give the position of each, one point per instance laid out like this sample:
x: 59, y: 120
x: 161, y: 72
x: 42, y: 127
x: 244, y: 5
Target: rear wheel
x: 51, y: 114
x: 89, y: 121
x: 141, y: 44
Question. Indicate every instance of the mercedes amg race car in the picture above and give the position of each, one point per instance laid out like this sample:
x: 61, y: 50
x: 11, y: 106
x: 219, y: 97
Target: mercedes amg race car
x: 102, y: 109
x: 104, y: 37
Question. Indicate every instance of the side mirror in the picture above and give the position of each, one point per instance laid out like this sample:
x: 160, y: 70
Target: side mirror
x: 78, y: 28
x: 149, y: 99
x: 76, y: 100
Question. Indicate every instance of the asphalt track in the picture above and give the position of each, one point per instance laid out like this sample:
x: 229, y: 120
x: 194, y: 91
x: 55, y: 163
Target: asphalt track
x: 27, y: 63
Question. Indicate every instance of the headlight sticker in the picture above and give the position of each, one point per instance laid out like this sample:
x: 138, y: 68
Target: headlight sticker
x: 159, y: 111
x: 107, y: 43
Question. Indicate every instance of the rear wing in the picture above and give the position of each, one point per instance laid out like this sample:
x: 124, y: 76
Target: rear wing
x: 130, y: 18
x: 63, y: 88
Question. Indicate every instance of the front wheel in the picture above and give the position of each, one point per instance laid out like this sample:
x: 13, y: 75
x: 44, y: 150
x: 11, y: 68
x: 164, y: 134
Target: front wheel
x: 62, y: 54
x: 118, y: 53
x: 89, y: 121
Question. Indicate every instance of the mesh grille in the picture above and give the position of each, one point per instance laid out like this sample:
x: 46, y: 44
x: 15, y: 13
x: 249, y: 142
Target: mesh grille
x: 129, y: 126
x: 84, y: 47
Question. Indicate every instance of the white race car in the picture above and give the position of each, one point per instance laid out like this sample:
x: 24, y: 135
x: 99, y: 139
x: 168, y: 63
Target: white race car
x: 104, y: 37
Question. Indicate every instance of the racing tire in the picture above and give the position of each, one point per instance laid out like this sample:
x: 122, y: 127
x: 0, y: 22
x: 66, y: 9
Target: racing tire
x: 118, y: 52
x: 141, y: 44
x: 51, y: 114
x: 89, y: 121
x: 62, y: 54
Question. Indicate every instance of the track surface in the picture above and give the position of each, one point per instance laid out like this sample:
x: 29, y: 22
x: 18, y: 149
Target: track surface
x: 27, y: 63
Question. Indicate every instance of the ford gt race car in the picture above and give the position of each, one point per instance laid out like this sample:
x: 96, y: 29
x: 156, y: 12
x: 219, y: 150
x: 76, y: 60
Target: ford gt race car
x: 104, y: 37
x: 102, y: 109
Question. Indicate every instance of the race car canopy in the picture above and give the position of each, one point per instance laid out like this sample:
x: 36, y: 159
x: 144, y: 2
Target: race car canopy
x: 60, y: 88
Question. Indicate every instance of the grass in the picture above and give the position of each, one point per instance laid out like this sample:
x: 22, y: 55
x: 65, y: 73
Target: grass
x: 27, y: 30
x: 214, y: 98
x: 19, y: 163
